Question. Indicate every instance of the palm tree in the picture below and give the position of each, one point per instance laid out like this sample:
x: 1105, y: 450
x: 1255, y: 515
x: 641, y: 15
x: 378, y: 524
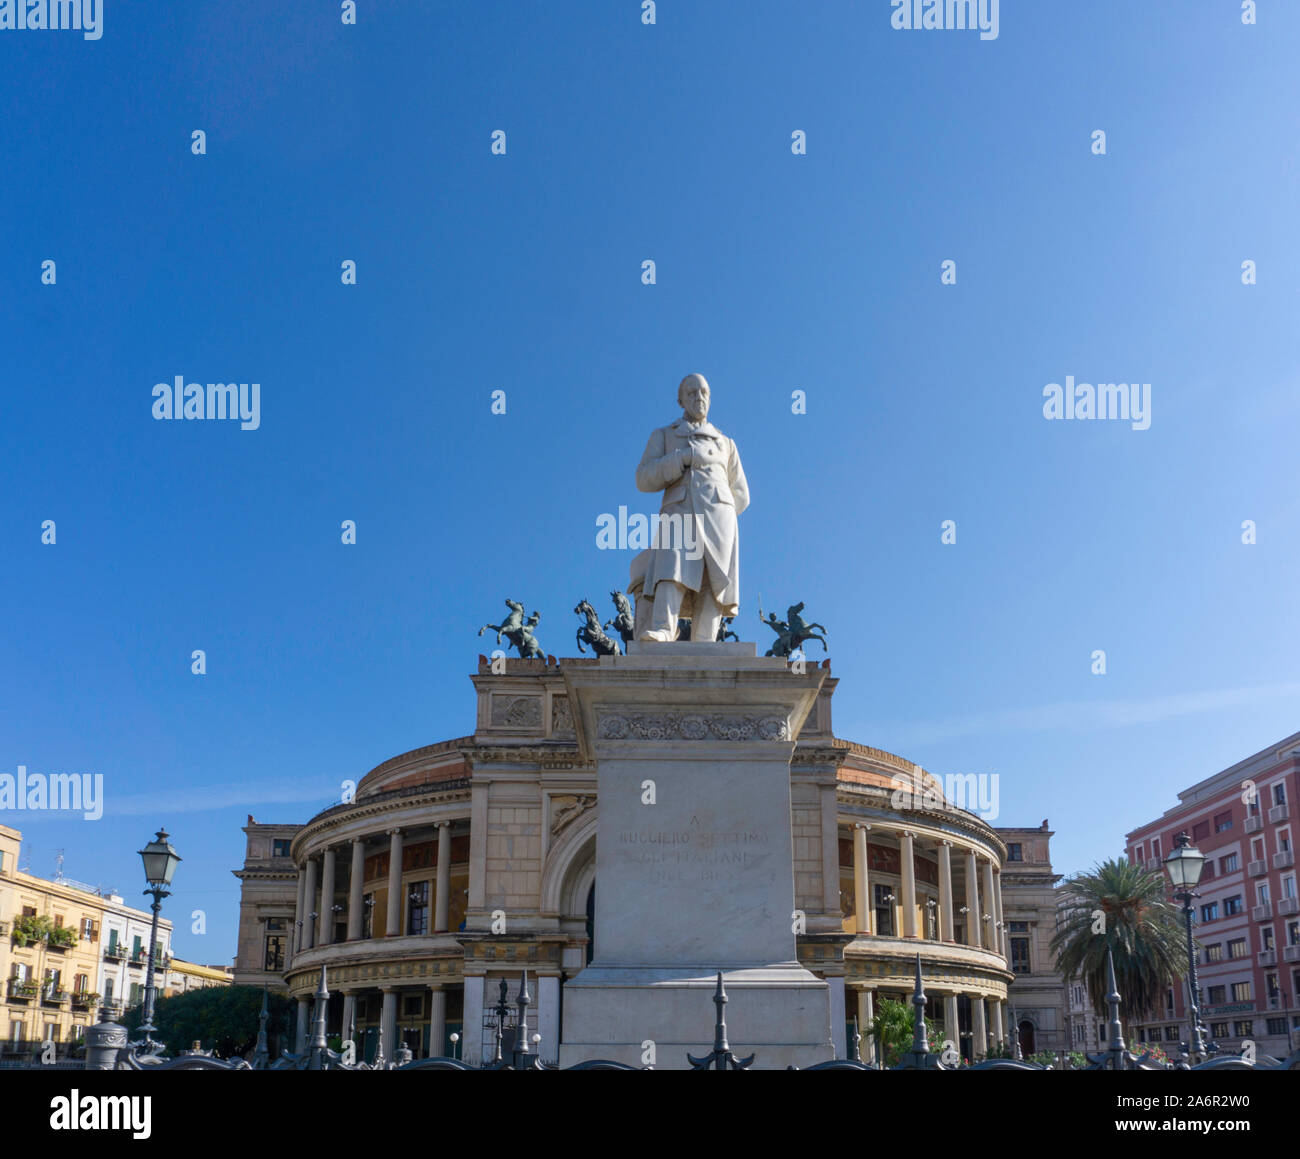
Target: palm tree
x: 893, y: 1028
x: 1123, y: 908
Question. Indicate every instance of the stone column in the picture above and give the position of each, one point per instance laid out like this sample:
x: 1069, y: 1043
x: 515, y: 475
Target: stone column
x: 861, y: 882
x: 1004, y: 946
x: 548, y: 1016
x: 839, y: 1018
x: 437, y: 1021
x: 300, y: 1038
x: 394, y: 926
x: 951, y: 1023
x: 349, y: 1012
x: 907, y: 861
x: 326, y: 924
x: 309, y: 907
x: 296, y: 944
x: 388, y: 1022
x: 979, y: 1030
x: 866, y: 1012
x: 973, y: 922
x: 991, y: 933
x: 355, y: 883
x: 945, y: 890
x: 442, y: 887
x: 471, y: 1031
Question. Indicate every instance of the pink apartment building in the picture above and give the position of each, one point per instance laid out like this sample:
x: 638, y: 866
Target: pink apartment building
x: 1247, y: 917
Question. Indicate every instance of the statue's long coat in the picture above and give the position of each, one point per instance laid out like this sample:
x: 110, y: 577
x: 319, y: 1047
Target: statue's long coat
x: 713, y: 491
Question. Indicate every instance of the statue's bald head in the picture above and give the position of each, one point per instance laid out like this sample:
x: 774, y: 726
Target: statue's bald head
x: 693, y: 397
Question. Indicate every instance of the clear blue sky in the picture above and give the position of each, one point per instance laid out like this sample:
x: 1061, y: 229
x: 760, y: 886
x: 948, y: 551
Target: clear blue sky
x: 522, y: 272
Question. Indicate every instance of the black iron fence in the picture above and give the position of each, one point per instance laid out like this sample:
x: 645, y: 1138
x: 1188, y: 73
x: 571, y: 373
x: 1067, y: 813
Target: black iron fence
x: 107, y: 1047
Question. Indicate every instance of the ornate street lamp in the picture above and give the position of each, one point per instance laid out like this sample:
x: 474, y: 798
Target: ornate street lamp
x: 1184, y: 865
x: 160, y: 862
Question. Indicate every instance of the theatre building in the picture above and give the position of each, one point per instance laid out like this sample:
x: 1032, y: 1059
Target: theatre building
x: 459, y: 865
x: 1247, y: 917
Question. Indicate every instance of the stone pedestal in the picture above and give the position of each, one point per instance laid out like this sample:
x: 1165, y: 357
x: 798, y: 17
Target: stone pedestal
x: 694, y: 858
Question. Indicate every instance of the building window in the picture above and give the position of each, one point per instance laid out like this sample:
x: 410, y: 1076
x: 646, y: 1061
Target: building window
x: 1207, y: 871
x: 1214, y: 953
x: 1013, y: 852
x: 1200, y: 831
x: 1288, y: 886
x: 417, y: 908
x: 1241, y: 991
x: 1218, y: 1029
x: 884, y: 911
x: 1279, y: 793
x: 274, y: 953
x: 1237, y: 948
x: 277, y: 925
x: 1138, y: 855
x: 1020, y: 955
x: 1293, y: 933
x: 1243, y: 1029
x: 412, y: 1005
x: 1277, y: 1026
x: 279, y: 848
x: 1232, y: 905
x: 1171, y: 1034
x: 1217, y: 994
x: 1210, y: 911
x: 1266, y: 933
x: 1228, y: 864
x: 1223, y: 822
x: 1263, y: 893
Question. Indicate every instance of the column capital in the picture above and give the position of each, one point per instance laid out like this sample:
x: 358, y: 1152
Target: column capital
x: 444, y: 824
x: 945, y: 841
x: 861, y: 825
x: 908, y: 834
x: 396, y: 832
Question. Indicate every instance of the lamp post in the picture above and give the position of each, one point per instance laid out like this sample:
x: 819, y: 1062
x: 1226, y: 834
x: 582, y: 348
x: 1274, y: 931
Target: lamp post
x: 160, y: 861
x: 1184, y: 865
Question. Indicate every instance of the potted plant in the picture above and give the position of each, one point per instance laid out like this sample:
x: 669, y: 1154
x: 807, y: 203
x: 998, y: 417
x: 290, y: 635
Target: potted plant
x: 31, y: 928
x: 61, y: 938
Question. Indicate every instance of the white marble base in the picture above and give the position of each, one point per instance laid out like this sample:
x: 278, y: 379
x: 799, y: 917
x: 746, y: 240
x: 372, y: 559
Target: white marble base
x: 694, y: 858
x: 779, y: 1014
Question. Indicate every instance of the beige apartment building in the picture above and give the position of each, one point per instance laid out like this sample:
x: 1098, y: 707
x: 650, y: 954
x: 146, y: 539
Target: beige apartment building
x: 59, y: 956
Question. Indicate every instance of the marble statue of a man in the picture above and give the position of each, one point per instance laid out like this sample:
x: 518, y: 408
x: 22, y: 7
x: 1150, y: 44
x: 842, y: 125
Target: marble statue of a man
x: 696, y: 574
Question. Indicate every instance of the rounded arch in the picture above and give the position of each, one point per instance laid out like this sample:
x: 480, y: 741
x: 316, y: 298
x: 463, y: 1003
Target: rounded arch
x: 570, y: 869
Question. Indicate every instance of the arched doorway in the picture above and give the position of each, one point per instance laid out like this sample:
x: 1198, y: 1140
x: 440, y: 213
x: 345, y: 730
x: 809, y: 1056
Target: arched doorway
x: 1027, y: 1046
x: 591, y: 922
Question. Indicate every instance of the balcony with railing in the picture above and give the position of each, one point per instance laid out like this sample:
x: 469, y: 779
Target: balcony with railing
x: 54, y: 996
x: 1279, y: 813
x: 1257, y: 868
x: 1268, y: 957
x: 84, y: 1000
x: 20, y: 991
x: 1261, y: 912
x: 114, y: 952
x: 1254, y: 823
x: 1283, y: 858
x: 1288, y: 905
x: 1291, y: 953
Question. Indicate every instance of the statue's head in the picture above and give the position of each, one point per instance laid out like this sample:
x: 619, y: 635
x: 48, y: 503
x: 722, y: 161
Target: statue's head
x: 693, y: 397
